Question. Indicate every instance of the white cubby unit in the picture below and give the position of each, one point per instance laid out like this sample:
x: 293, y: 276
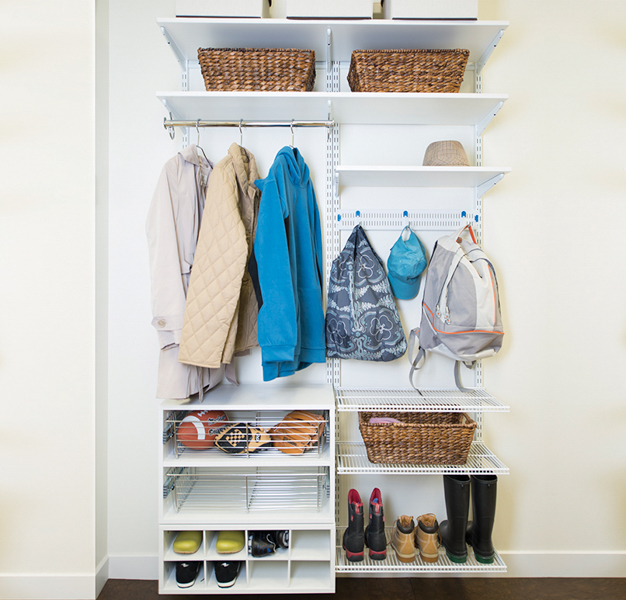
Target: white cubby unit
x: 374, y: 146
x: 209, y: 490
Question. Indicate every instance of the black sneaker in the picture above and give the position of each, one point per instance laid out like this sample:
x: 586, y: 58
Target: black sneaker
x: 226, y: 573
x: 281, y: 538
x: 186, y: 573
x: 261, y: 543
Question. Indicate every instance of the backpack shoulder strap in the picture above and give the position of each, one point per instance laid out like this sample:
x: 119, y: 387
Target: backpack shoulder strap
x: 457, y: 374
x: 419, y: 358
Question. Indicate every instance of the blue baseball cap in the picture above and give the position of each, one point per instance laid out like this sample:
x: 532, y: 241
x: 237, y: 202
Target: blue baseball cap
x: 405, y: 264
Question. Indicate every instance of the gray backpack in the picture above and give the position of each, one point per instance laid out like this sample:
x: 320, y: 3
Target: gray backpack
x: 460, y: 309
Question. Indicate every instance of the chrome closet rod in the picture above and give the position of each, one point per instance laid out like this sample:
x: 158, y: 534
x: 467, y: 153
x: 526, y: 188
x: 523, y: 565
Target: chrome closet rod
x: 171, y: 123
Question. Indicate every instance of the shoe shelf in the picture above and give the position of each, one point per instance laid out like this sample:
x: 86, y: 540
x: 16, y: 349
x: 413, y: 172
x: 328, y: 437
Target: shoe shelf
x: 475, y: 400
x: 352, y: 459
x: 392, y: 564
x: 308, y: 563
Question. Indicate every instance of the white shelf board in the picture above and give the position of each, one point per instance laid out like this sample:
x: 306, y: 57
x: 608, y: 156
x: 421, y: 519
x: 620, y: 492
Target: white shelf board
x: 269, y: 397
x: 392, y: 564
x: 476, y: 400
x: 352, y: 458
x: 263, y: 458
x: 417, y: 176
x: 189, y: 34
x: 344, y: 107
x: 260, y: 519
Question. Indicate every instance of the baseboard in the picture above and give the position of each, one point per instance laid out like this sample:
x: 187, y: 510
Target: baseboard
x: 29, y: 586
x: 565, y: 564
x: 133, y: 567
x: 102, y: 574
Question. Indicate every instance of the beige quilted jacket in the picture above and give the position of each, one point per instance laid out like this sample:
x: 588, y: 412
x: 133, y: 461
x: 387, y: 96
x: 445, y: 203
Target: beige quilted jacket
x: 221, y: 311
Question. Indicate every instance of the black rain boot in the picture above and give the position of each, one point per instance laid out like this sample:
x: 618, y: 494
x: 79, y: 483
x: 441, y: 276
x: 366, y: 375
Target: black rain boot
x: 484, y: 511
x: 353, y: 538
x: 457, y: 492
x: 375, y: 538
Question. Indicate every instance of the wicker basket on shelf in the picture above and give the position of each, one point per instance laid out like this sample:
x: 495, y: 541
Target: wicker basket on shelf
x: 257, y: 69
x: 407, y: 70
x: 420, y: 438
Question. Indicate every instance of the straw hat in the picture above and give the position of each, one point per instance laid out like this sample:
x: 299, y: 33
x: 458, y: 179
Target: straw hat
x: 447, y: 153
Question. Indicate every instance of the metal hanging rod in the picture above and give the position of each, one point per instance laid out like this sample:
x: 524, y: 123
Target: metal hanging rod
x: 171, y: 123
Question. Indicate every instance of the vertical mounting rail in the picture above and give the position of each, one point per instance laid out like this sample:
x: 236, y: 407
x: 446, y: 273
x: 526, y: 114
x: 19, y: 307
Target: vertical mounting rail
x: 478, y: 211
x: 185, y: 88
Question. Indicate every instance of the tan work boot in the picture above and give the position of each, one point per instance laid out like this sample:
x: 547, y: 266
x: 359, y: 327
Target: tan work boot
x: 402, y: 539
x: 427, y: 537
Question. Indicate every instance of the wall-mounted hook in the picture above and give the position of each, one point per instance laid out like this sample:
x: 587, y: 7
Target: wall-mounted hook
x: 357, y: 217
x: 405, y: 219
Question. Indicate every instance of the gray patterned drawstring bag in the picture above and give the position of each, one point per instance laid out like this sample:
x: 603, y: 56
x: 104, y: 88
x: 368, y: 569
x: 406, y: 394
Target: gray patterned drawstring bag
x: 362, y: 321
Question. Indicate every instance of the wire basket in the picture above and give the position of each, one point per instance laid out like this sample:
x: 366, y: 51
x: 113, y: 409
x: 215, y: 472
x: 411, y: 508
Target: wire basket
x: 257, y: 69
x: 407, y: 70
x: 419, y: 438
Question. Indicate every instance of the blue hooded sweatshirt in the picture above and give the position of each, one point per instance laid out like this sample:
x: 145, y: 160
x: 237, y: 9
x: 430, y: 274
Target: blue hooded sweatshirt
x: 288, y: 255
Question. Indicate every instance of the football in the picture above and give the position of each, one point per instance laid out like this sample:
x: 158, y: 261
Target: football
x: 199, y: 428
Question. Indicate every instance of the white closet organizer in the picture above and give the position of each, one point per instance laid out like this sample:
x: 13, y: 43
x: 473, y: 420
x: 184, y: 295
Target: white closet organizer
x: 316, y: 549
x: 210, y: 491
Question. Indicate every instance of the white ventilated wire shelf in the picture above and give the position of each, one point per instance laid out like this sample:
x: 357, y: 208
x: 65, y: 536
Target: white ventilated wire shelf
x: 391, y: 563
x: 261, y: 489
x: 476, y: 400
x: 352, y: 459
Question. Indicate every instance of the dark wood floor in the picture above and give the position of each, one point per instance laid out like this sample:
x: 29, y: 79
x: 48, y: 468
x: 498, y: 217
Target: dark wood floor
x: 414, y: 588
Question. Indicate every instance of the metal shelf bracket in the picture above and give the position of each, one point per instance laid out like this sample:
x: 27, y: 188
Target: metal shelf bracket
x: 480, y: 63
x: 481, y: 190
x: 180, y: 57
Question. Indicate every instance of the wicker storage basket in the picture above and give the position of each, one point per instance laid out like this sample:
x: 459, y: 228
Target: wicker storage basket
x: 420, y: 438
x: 257, y: 69
x: 407, y: 70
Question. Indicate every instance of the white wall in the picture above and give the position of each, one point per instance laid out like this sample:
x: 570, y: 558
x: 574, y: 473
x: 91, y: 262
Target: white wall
x: 47, y: 320
x: 554, y: 225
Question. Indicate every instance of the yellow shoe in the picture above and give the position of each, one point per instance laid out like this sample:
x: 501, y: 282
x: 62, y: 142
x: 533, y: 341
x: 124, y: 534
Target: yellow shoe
x: 229, y: 542
x: 187, y: 542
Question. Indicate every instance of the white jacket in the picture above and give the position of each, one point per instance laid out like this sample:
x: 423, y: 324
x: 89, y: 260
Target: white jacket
x: 172, y: 228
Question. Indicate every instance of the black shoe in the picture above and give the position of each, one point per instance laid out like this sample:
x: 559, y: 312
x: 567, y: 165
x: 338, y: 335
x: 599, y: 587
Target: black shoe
x: 226, y: 573
x: 375, y: 538
x: 261, y: 543
x: 457, y: 494
x: 353, y: 537
x: 479, y: 531
x: 281, y: 538
x: 186, y: 573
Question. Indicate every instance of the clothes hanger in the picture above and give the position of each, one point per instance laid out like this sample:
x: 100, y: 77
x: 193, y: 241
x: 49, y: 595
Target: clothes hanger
x: 198, y: 142
x: 291, y: 127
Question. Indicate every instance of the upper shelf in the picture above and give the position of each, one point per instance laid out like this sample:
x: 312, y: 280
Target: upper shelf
x: 344, y: 107
x: 186, y: 35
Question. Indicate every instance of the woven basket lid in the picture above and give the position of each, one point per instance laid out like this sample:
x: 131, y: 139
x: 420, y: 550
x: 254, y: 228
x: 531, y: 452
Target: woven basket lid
x: 447, y: 153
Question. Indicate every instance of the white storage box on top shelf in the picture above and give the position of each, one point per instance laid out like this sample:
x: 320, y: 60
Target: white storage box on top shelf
x: 330, y: 9
x: 219, y: 8
x: 430, y: 9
